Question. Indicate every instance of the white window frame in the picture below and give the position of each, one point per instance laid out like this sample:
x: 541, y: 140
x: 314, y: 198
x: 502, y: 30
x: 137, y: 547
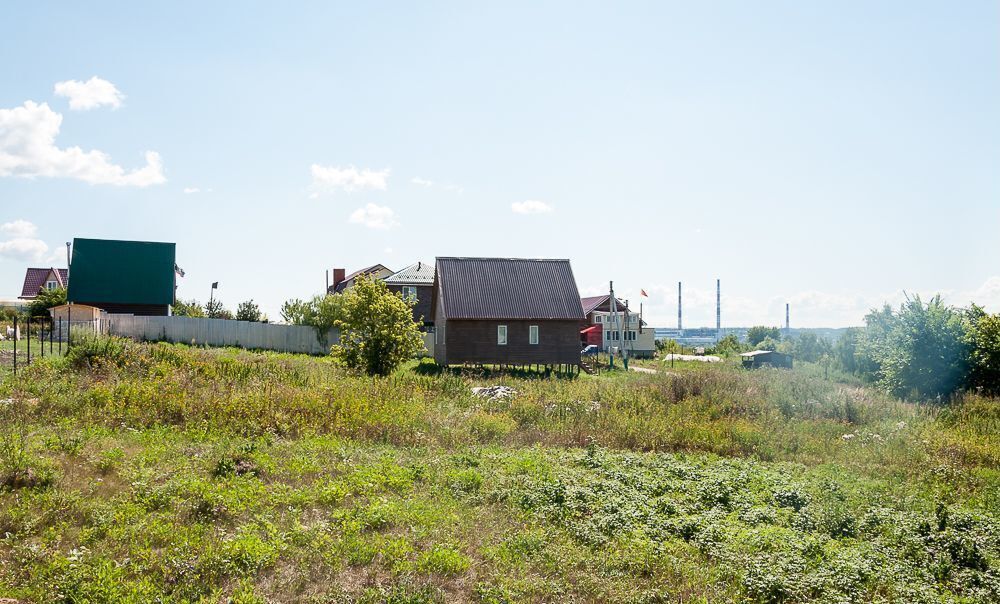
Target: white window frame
x: 501, y: 335
x: 533, y: 335
x: 409, y: 291
x: 50, y: 285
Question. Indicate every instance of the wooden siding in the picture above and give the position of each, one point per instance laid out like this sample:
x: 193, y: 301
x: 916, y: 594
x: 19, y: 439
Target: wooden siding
x: 475, y: 341
x: 139, y: 310
x: 422, y: 309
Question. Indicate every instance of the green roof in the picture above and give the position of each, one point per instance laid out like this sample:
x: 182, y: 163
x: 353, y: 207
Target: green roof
x: 122, y: 272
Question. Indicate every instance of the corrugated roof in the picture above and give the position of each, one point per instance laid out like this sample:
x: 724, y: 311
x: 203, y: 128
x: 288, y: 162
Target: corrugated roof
x: 368, y: 270
x: 34, y: 280
x: 591, y: 303
x: 420, y: 273
x: 508, y: 288
x: 122, y: 272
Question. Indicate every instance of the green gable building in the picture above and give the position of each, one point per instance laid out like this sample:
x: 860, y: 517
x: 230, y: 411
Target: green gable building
x: 132, y: 277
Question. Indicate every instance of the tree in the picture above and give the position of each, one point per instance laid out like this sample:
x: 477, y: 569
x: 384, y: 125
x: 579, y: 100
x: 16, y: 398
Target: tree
x: 983, y: 337
x: 728, y: 345
x: 377, y: 331
x: 845, y: 350
x: 190, y: 308
x: 248, y: 311
x: 321, y: 312
x: 809, y: 347
x: 215, y: 310
x: 46, y: 299
x: 921, y: 350
x: 759, y: 333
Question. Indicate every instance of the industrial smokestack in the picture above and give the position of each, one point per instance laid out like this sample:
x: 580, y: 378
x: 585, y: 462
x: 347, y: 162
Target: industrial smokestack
x: 718, y: 308
x: 680, y: 325
x: 788, y: 325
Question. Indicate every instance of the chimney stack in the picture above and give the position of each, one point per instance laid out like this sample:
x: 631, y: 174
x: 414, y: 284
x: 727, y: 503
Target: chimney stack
x: 338, y: 277
x: 679, y: 324
x: 788, y: 326
x: 718, y: 309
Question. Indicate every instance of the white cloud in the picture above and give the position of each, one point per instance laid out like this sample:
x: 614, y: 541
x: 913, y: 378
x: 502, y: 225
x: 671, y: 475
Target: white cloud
x: 91, y: 94
x: 190, y: 190
x: 387, y: 250
x: 19, y: 229
x: 22, y: 245
x: 28, y: 149
x: 24, y: 249
x: 423, y: 182
x: 374, y: 217
x: 530, y: 206
x: 349, y: 179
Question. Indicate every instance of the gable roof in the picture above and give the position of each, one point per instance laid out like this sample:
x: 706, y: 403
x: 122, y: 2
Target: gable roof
x: 592, y: 303
x: 421, y: 273
x: 507, y: 288
x: 122, y: 272
x: 368, y: 270
x: 34, y: 280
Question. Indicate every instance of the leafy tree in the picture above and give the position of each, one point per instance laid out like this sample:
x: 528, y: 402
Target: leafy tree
x: 983, y: 335
x: 769, y: 343
x: 845, y: 350
x: 377, y: 331
x: 920, y: 350
x: 248, y: 311
x: 759, y: 333
x: 190, y: 308
x: 47, y: 298
x: 215, y: 310
x: 809, y: 347
x: 321, y: 312
x: 729, y: 344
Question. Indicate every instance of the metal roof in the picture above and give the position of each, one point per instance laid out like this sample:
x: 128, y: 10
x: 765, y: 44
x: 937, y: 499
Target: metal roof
x: 420, y: 273
x: 34, y: 280
x: 122, y: 272
x: 508, y: 288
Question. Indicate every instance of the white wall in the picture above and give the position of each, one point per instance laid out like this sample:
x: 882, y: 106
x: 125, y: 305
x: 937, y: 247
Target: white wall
x: 221, y: 332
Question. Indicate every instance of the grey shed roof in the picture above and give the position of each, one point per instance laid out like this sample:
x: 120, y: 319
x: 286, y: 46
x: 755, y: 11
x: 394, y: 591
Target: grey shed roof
x: 507, y: 288
x: 420, y: 273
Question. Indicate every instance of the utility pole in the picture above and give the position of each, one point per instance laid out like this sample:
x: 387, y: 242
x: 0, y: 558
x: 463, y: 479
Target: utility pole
x: 211, y: 297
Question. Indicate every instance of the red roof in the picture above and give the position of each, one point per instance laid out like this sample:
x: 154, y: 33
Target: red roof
x: 34, y: 280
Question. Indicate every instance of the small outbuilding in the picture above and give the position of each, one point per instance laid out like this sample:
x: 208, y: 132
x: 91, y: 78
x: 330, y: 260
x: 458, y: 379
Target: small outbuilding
x: 129, y: 277
x: 766, y: 358
x: 506, y: 311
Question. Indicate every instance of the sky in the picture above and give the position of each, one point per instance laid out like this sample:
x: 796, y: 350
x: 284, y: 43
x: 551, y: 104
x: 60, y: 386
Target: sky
x: 832, y: 155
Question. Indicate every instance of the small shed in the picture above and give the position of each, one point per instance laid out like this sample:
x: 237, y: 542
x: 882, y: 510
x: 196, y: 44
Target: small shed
x: 506, y: 311
x: 766, y: 358
x: 128, y: 277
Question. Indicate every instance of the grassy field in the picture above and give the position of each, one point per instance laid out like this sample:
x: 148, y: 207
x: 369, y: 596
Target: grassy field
x: 165, y: 473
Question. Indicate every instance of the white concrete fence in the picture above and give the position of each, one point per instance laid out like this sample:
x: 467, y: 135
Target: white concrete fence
x: 220, y: 332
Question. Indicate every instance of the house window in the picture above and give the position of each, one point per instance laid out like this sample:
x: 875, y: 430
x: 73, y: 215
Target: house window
x: 51, y: 285
x: 501, y: 335
x: 599, y: 318
x: 532, y: 334
x: 409, y: 292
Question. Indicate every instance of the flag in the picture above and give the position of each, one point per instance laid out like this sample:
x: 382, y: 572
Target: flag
x: 643, y: 293
x: 215, y: 285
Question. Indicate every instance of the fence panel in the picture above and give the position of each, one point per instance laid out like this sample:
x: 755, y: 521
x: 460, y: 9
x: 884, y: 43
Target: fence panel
x: 221, y: 332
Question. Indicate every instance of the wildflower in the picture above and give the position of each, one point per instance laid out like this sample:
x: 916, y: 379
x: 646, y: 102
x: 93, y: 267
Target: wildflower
x: 847, y: 436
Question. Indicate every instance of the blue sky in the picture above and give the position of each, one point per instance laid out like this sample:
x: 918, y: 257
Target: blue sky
x: 833, y: 155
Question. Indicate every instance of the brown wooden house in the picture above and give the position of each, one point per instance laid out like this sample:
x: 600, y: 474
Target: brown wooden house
x: 506, y: 311
x: 415, y: 282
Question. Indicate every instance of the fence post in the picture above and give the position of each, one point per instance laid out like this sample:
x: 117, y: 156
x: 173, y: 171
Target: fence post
x: 41, y: 339
x: 28, y: 361
x: 52, y: 328
x: 60, y: 336
x: 15, y: 344
x: 69, y: 326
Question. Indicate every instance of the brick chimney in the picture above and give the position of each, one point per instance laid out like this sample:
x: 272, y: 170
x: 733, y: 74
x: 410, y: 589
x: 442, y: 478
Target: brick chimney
x: 338, y: 278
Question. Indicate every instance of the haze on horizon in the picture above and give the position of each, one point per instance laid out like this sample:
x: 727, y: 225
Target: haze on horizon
x: 829, y: 156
